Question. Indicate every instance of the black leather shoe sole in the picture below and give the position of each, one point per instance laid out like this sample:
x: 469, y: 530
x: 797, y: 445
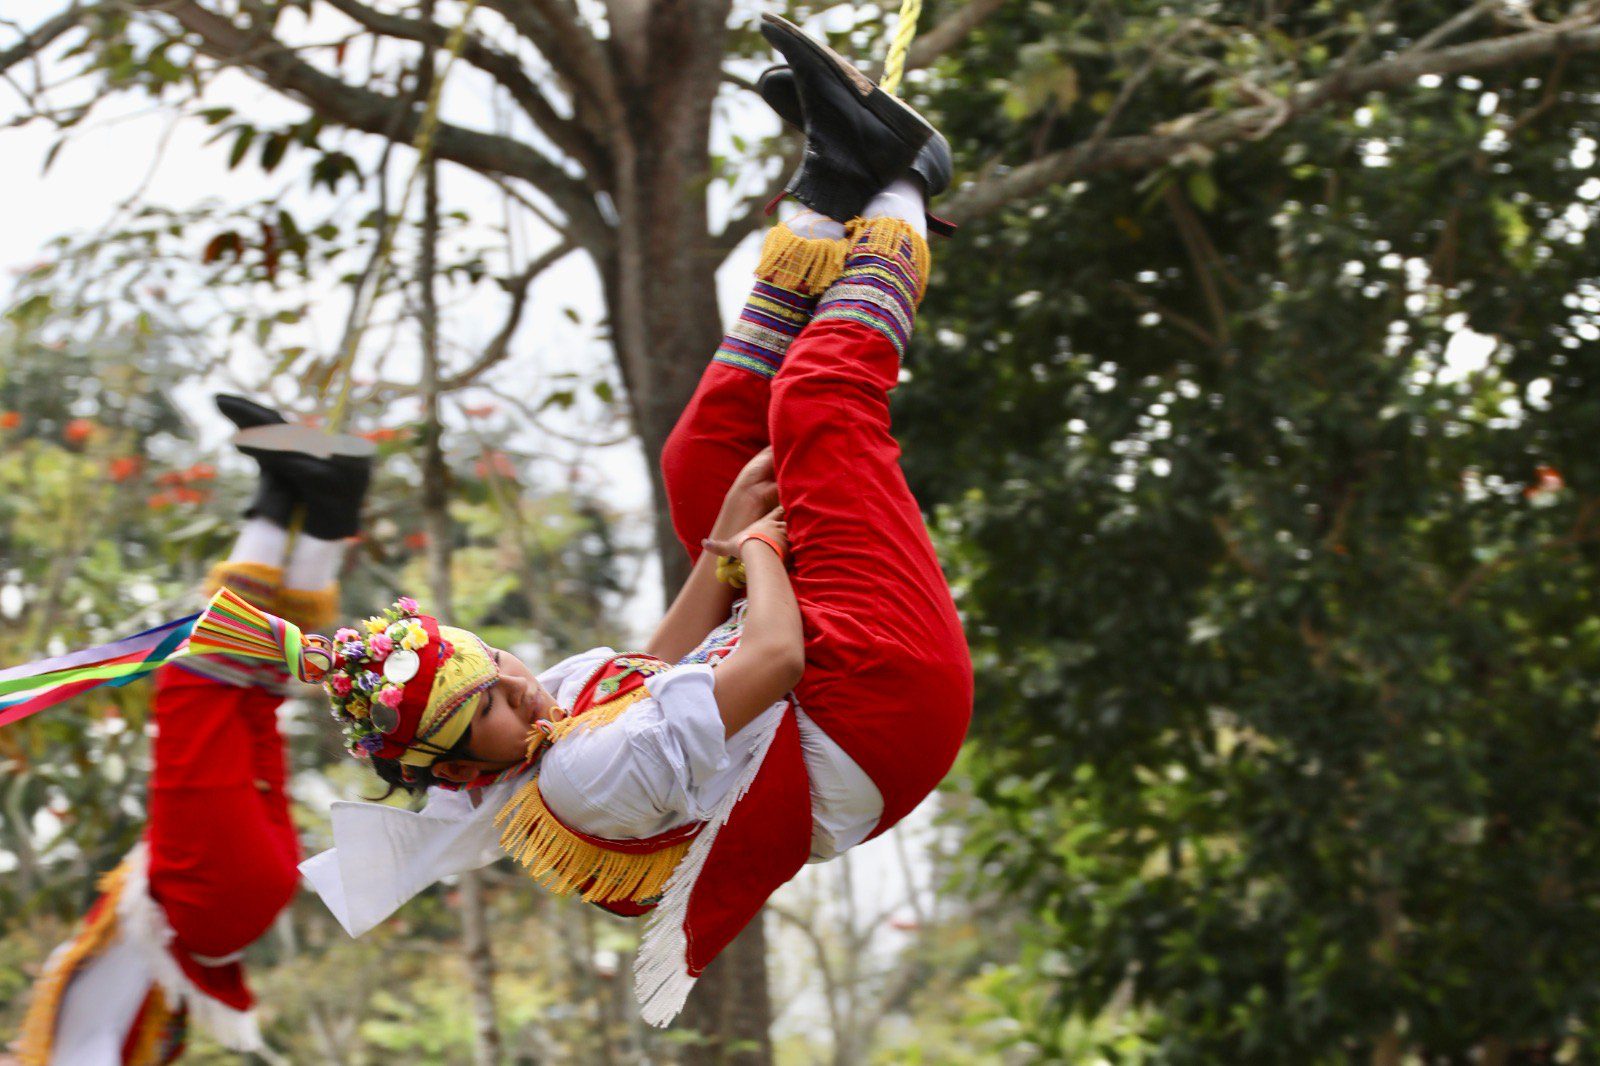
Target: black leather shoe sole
x: 932, y: 164
x: 330, y: 489
x: 273, y: 500
x: 858, y: 137
x: 246, y: 413
x: 324, y: 476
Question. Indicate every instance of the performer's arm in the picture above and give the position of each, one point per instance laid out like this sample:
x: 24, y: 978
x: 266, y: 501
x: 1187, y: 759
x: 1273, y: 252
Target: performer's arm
x: 701, y: 605
x: 771, y: 654
x: 703, y: 602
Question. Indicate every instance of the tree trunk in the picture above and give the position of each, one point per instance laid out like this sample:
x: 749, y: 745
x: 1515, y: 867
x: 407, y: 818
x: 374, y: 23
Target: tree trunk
x: 730, y: 1007
x: 661, y: 289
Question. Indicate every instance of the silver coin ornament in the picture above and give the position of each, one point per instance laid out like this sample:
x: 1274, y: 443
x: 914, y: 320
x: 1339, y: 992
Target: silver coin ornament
x: 401, y: 665
x: 385, y: 718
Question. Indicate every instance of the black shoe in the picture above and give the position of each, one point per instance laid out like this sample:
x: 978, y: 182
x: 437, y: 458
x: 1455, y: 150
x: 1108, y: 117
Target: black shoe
x: 858, y: 137
x: 932, y: 164
x: 273, y: 501
x: 321, y: 477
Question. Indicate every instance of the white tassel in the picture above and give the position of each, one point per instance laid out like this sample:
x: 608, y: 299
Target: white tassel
x: 661, y: 981
x: 141, y: 921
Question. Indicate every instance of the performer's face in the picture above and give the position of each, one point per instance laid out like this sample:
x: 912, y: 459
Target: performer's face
x: 498, y: 736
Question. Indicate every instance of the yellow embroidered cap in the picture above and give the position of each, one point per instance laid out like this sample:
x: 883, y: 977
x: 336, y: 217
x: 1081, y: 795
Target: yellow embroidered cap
x: 401, y: 683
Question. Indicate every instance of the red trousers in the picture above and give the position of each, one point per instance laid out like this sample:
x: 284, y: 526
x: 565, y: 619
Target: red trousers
x: 888, y: 674
x: 223, y: 851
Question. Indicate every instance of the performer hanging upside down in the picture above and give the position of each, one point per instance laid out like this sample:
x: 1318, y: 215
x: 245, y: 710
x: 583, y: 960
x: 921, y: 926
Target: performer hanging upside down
x: 161, y: 946
x: 691, y: 780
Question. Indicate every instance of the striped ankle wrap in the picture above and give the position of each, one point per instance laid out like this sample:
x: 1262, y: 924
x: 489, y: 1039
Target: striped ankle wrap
x: 885, y: 274
x: 792, y: 273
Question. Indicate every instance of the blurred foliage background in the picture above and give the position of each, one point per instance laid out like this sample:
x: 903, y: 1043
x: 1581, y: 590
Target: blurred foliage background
x: 1251, y: 408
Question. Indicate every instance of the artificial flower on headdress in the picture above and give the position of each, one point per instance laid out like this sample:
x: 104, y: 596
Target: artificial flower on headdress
x: 401, y: 684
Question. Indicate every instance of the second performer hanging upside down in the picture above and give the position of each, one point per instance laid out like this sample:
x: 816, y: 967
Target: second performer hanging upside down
x: 692, y: 780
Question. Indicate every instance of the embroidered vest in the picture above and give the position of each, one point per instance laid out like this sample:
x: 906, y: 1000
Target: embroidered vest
x: 625, y: 875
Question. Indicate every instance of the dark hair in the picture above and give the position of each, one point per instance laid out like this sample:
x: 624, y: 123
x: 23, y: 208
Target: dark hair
x: 422, y: 777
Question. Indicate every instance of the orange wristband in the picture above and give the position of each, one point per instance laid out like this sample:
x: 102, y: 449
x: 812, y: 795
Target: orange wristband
x: 783, y: 556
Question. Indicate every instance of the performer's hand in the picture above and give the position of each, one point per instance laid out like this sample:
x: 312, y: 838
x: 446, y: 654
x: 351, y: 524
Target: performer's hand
x: 758, y: 481
x: 753, y: 493
x: 770, y: 525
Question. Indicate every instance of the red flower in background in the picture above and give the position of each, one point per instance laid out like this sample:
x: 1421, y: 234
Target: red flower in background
x: 170, y: 478
x: 496, y: 461
x: 381, y: 436
x: 79, y: 430
x: 184, y: 494
x: 1547, y: 481
x: 417, y: 541
x: 10, y: 419
x: 480, y: 412
x: 158, y: 501
x: 124, y: 467
x: 200, y: 472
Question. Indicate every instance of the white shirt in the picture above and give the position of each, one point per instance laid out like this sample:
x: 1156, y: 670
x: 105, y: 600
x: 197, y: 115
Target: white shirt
x: 666, y: 762
x: 659, y: 764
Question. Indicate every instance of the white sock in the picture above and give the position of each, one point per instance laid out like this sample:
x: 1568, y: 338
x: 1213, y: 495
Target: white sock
x: 314, y: 565
x: 902, y: 199
x: 804, y: 222
x: 260, y: 541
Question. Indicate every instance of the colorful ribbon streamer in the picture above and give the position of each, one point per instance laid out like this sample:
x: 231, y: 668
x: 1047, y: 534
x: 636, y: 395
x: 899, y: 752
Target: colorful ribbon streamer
x: 233, y: 626
x: 229, y: 626
x: 32, y: 687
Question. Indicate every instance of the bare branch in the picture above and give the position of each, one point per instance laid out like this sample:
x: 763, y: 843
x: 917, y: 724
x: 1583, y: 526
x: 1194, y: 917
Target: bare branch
x: 572, y: 51
x: 44, y: 36
x: 274, y: 63
x: 500, y: 346
x: 1454, y: 25
x: 935, y: 42
x: 506, y: 70
x: 1205, y: 130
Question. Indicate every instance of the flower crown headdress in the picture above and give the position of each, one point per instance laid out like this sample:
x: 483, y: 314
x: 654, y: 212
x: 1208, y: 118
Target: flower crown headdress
x: 399, y: 683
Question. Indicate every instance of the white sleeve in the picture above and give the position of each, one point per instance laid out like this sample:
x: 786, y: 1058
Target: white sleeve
x: 382, y: 855
x: 648, y: 771
x: 689, y: 731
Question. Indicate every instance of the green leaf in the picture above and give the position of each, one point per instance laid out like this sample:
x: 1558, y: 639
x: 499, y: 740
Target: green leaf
x: 241, y: 144
x: 1203, y: 190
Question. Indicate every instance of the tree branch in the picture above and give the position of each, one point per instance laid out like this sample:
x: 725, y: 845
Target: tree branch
x: 500, y: 346
x: 44, y: 36
x: 506, y: 70
x: 1203, y: 130
x: 274, y: 63
x: 935, y: 42
x: 571, y: 50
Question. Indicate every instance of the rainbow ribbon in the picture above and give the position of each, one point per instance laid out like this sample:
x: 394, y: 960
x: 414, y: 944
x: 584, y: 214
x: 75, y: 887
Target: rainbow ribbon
x: 229, y: 626
x: 32, y: 687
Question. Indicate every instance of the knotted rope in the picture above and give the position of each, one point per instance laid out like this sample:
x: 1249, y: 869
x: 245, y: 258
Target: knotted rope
x: 894, y: 65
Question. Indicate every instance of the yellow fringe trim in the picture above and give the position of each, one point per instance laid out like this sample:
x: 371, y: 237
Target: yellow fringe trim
x: 153, y: 1021
x: 37, y: 1037
x: 800, y: 264
x: 564, y: 862
x: 262, y: 585
x: 308, y: 608
x: 256, y: 582
x: 882, y: 236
